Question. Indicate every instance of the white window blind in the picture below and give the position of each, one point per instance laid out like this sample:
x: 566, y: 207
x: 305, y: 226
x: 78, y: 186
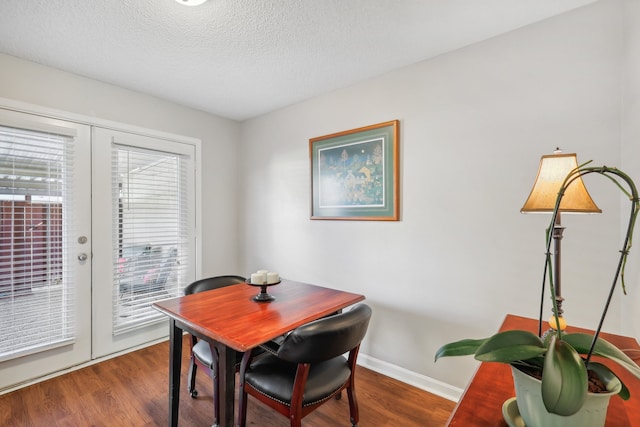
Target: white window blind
x: 150, y: 231
x: 36, y: 284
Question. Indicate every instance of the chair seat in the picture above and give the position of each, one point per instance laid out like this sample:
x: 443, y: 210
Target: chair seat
x: 274, y: 377
x: 202, y: 352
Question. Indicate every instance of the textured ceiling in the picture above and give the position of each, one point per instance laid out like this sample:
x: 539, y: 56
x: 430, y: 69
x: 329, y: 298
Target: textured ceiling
x: 243, y: 58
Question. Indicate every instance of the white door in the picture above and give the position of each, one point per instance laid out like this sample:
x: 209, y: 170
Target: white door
x: 144, y: 221
x: 45, y: 246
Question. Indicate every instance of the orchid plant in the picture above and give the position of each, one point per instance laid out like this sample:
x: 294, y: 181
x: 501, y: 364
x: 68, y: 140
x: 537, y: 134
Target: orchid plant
x: 562, y: 358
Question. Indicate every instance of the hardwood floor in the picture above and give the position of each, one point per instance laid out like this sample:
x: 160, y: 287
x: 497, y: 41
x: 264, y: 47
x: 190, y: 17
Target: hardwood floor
x: 131, y: 391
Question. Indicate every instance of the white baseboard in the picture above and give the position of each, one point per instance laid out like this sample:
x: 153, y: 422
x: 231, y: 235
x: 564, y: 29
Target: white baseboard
x: 417, y: 380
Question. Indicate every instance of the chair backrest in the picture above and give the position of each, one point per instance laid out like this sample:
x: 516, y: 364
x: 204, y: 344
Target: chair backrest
x: 326, y: 338
x: 212, y: 283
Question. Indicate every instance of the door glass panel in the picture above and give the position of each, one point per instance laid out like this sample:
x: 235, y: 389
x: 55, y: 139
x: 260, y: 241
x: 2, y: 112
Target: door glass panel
x: 150, y: 223
x: 36, y: 287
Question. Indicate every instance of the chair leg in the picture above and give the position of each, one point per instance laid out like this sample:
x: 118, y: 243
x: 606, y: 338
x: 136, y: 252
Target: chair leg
x: 242, y: 407
x: 353, y: 406
x: 192, y: 378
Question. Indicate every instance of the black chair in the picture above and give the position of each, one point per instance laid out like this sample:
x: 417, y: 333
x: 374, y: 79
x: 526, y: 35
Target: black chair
x: 308, y: 369
x: 201, y: 355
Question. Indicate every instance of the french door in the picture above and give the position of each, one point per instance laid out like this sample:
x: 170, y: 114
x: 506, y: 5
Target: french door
x: 45, y: 246
x: 144, y: 223
x: 96, y: 224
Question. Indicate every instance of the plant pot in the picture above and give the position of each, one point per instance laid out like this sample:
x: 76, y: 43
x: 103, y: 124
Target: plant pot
x: 592, y: 414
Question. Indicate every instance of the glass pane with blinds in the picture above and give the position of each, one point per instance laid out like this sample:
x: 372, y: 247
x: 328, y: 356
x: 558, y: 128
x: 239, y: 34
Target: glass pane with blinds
x: 150, y: 231
x: 36, y: 284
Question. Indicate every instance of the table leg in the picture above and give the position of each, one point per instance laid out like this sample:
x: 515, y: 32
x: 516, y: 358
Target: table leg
x: 175, y: 365
x: 226, y: 382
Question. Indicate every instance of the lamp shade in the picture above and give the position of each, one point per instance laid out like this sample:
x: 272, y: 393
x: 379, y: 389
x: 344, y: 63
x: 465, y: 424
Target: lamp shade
x: 552, y: 172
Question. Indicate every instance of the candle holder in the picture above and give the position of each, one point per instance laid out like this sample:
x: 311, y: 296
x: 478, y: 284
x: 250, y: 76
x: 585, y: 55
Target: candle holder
x: 263, y: 296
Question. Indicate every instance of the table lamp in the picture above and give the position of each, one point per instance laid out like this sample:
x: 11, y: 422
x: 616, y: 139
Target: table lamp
x: 552, y: 172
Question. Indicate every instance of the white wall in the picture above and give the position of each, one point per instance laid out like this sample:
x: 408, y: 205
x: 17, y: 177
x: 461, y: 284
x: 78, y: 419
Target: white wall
x: 474, y: 124
x: 631, y: 145
x: 43, y: 86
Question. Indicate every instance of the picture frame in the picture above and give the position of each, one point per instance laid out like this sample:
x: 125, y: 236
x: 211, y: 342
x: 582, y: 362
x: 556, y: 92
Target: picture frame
x: 355, y: 174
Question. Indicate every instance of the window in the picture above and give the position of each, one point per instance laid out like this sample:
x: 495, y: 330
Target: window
x: 36, y: 287
x: 150, y: 223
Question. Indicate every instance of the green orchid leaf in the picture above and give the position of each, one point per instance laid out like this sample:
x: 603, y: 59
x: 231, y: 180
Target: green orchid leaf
x: 582, y: 342
x: 459, y: 348
x: 510, y: 346
x: 605, y: 374
x: 564, y: 379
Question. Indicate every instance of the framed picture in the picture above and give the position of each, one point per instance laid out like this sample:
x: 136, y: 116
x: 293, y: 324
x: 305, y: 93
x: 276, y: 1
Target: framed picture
x: 354, y: 174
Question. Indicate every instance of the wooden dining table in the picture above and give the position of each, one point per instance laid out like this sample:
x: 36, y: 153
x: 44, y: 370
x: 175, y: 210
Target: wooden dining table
x: 231, y: 320
x: 492, y: 385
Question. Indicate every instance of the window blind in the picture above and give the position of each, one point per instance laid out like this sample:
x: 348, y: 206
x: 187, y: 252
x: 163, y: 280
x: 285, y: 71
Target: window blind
x: 37, y: 297
x: 150, y: 231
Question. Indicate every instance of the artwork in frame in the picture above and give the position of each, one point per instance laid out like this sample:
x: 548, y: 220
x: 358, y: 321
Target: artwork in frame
x: 354, y: 174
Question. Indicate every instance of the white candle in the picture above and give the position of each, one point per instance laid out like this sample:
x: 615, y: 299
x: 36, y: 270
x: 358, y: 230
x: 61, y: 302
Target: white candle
x: 272, y: 277
x: 257, y: 278
x: 263, y: 273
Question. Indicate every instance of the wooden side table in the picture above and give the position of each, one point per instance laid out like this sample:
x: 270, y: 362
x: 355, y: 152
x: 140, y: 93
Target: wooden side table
x: 492, y: 384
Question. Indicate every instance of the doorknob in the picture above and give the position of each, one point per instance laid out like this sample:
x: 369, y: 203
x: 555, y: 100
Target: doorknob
x: 82, y: 257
